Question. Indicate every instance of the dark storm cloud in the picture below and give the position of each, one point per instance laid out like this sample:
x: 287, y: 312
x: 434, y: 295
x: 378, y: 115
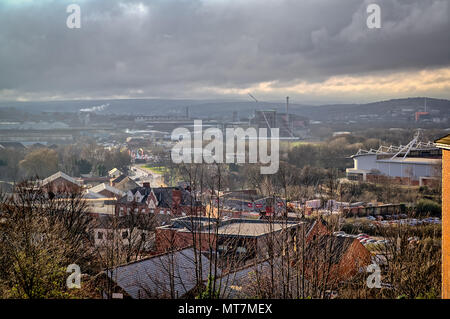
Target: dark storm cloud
x: 173, y: 48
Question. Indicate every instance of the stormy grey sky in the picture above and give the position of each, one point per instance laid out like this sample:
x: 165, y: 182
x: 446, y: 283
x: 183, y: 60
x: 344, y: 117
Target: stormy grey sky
x: 312, y: 50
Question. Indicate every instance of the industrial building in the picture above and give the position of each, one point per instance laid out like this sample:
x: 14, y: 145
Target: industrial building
x: 417, y: 163
x: 290, y: 125
x: 245, y: 237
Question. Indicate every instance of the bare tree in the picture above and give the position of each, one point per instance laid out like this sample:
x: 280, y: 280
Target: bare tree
x: 42, y: 234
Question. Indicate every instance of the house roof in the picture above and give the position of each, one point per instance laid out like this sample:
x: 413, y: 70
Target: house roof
x: 151, y: 277
x: 115, y: 170
x: 91, y: 195
x: 328, y: 246
x: 16, y: 145
x: 125, y: 184
x: 119, y: 179
x: 443, y: 142
x: 103, y: 186
x: 163, y: 196
x: 60, y: 175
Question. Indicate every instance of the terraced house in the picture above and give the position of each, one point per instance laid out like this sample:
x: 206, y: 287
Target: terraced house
x: 174, y: 201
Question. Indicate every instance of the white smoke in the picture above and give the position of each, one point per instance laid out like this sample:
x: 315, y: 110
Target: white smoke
x: 95, y: 108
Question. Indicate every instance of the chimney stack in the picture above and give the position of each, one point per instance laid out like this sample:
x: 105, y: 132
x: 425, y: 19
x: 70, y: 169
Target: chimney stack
x: 287, y: 110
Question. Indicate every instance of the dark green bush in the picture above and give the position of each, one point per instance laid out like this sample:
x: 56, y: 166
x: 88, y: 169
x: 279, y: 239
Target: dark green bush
x: 427, y: 207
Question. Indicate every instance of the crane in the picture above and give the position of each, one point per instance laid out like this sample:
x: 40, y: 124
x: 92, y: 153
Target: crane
x: 253, y: 97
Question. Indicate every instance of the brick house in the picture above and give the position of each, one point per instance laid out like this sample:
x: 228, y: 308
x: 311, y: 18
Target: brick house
x: 61, y: 182
x: 173, y: 201
x: 444, y: 144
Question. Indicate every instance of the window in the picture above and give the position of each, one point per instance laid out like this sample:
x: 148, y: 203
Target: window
x: 125, y: 234
x: 110, y: 236
x: 152, y: 211
x: 99, y: 235
x: 143, y: 236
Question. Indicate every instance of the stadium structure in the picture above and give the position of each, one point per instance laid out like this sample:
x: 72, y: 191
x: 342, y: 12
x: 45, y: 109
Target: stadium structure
x: 417, y: 163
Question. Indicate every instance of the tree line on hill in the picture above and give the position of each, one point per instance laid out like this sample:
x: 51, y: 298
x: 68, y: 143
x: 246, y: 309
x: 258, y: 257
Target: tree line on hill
x: 74, y: 159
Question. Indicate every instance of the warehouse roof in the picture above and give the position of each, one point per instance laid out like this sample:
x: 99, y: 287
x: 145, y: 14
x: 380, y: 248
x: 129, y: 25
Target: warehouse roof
x: 231, y: 227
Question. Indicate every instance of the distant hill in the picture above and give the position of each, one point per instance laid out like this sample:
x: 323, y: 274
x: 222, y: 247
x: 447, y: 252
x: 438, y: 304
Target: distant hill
x: 213, y: 108
x: 327, y: 112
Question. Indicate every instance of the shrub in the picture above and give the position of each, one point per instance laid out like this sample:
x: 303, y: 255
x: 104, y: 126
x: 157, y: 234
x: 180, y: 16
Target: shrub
x: 428, y: 207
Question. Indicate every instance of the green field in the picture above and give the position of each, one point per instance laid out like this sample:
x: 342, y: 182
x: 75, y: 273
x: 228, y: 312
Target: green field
x: 297, y: 143
x: 155, y: 169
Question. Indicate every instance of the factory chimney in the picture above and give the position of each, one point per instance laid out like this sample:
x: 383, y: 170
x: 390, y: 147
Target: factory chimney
x: 287, y: 110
